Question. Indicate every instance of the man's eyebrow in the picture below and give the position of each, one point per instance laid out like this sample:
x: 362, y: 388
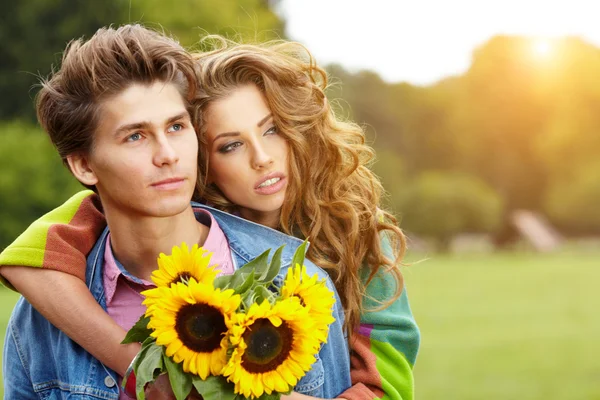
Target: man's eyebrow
x: 183, y: 115
x: 146, y: 124
x: 131, y: 127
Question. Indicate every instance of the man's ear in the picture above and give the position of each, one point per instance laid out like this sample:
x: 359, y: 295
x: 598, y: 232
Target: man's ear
x: 82, y: 169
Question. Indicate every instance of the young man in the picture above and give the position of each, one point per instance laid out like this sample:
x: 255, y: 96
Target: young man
x: 117, y: 113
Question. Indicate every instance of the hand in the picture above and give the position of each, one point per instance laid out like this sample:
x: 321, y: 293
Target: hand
x: 300, y: 396
x: 161, y: 389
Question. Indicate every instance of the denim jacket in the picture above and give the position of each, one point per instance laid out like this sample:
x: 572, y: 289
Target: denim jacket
x: 42, y: 362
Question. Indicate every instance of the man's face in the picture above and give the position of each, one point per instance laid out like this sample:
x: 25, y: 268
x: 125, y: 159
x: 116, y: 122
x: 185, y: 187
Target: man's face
x: 144, y: 160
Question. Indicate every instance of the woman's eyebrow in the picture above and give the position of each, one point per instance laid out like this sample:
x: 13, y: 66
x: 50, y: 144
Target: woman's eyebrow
x: 264, y: 120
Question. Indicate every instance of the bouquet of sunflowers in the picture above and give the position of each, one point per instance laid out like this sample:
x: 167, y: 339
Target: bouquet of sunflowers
x: 234, y: 336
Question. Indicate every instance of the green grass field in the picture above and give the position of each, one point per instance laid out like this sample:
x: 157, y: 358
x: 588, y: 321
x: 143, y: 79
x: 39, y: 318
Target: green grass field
x: 507, y: 326
x: 8, y: 298
x: 504, y: 326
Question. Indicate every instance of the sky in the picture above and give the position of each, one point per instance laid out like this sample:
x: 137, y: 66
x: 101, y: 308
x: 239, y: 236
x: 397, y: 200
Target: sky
x: 423, y: 41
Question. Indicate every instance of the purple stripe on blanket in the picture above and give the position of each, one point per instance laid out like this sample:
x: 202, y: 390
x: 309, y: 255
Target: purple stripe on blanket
x: 365, y: 329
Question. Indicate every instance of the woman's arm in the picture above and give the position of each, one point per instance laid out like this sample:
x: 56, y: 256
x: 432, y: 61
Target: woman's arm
x: 68, y: 304
x: 58, y: 244
x: 384, y: 349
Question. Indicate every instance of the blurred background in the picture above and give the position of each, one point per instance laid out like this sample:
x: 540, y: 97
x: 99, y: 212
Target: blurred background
x: 485, y: 121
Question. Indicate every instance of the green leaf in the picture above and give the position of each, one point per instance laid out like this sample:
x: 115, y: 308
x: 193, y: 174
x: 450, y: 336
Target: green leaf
x: 272, y: 396
x: 275, y: 266
x: 249, y: 280
x: 249, y: 298
x: 299, y: 254
x: 222, y: 282
x: 139, y: 332
x: 214, y: 388
x: 148, y: 365
x: 181, y: 382
x: 261, y: 293
x: 259, y: 264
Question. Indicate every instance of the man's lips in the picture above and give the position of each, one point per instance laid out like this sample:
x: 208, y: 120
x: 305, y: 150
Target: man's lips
x: 170, y: 183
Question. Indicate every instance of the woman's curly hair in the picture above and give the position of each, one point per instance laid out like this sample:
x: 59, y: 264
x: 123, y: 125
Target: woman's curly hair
x: 332, y: 196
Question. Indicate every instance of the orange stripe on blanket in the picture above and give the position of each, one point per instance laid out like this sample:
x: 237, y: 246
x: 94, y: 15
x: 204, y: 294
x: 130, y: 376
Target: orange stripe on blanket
x: 366, y: 379
x: 67, y: 245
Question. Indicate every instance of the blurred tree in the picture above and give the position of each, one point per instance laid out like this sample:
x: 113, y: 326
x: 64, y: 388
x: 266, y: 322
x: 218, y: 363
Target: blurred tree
x: 32, y: 178
x: 32, y: 35
x: 440, y: 205
x: 188, y: 20
x: 571, y: 140
x: 572, y: 204
x: 389, y: 167
x: 429, y: 140
x: 502, y: 115
x: 524, y: 121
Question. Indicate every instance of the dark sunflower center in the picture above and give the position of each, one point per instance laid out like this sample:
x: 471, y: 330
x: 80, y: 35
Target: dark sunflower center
x: 301, y: 300
x: 182, y: 277
x: 200, y: 327
x: 268, y: 346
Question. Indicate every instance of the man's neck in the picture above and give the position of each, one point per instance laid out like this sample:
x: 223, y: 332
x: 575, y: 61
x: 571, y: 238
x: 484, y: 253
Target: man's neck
x: 137, y: 241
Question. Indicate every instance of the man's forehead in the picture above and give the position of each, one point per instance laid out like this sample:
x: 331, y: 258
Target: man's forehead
x: 138, y: 103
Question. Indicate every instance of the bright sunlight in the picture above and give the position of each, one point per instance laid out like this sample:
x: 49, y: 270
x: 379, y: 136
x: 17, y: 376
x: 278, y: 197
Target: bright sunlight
x: 542, y: 48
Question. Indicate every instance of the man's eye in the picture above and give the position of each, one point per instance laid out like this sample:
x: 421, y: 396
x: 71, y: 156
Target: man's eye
x: 135, y: 137
x: 176, y: 127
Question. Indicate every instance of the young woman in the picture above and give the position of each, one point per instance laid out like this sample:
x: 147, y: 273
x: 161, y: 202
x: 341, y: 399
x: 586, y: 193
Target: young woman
x: 273, y: 151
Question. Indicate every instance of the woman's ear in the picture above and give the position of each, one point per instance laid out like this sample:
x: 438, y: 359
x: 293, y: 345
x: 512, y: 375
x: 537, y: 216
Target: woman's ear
x: 81, y: 168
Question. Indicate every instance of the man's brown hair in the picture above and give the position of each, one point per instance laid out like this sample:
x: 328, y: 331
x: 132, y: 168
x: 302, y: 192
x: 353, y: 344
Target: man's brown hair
x: 68, y: 104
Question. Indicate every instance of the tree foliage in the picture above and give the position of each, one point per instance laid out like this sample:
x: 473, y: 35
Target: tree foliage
x: 523, y: 123
x: 32, y: 178
x: 440, y: 205
x: 34, y: 33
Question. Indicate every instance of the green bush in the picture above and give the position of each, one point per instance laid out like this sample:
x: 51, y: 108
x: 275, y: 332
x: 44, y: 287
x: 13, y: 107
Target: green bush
x: 573, y: 204
x: 440, y: 205
x: 32, y: 178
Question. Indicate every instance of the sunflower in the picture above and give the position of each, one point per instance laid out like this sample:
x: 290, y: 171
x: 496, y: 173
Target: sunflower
x: 314, y: 295
x: 274, y: 346
x: 182, y: 265
x: 191, y: 321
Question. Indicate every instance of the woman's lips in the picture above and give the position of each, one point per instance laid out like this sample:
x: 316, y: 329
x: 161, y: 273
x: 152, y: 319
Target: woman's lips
x: 271, y: 184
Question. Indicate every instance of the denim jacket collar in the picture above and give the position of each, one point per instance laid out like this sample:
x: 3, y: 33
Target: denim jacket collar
x: 247, y: 240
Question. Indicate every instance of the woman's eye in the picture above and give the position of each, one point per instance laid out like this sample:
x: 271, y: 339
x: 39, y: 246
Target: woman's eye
x: 176, y: 127
x: 135, y: 137
x: 229, y: 147
x: 272, y: 131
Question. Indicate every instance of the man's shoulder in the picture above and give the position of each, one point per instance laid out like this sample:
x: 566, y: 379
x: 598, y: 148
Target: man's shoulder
x: 248, y: 239
x: 27, y: 324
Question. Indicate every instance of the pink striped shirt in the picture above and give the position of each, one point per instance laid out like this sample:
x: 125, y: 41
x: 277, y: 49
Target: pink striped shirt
x: 122, y: 290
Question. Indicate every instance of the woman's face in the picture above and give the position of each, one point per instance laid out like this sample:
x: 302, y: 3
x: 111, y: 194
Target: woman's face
x: 247, y: 157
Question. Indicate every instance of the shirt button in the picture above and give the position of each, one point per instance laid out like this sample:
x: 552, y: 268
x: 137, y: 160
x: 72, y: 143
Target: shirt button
x: 109, y: 382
